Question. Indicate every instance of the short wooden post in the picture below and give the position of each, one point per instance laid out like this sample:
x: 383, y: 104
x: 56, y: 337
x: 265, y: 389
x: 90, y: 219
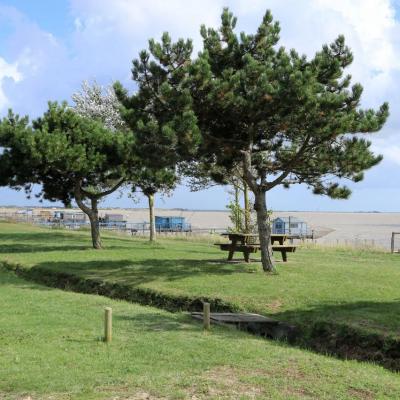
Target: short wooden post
x: 392, y: 243
x: 206, y: 316
x: 108, y: 324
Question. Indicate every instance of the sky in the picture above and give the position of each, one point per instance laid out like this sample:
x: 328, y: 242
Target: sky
x: 47, y: 48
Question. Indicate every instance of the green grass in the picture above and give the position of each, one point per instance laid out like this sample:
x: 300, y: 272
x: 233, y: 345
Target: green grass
x: 359, y: 288
x: 51, y: 348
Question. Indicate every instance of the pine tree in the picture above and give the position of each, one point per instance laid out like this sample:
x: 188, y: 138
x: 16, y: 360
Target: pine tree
x: 15, y: 168
x: 285, y: 118
x: 71, y: 157
x: 160, y: 117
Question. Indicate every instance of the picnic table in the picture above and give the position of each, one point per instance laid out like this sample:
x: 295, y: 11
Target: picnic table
x: 247, y: 243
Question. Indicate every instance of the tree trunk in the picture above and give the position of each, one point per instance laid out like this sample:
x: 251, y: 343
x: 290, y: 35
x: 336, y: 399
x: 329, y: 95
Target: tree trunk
x: 152, y: 218
x: 264, y: 232
x: 94, y: 225
x: 92, y: 212
x: 246, y: 208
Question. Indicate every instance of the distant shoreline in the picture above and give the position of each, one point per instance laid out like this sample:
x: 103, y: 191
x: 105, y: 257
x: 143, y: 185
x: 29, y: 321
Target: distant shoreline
x: 203, y: 210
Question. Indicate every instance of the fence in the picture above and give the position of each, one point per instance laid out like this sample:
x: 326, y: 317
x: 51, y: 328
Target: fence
x: 355, y: 243
x: 130, y: 228
x: 386, y: 242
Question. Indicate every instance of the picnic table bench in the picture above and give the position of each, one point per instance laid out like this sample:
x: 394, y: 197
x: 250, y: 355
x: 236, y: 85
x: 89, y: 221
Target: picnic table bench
x: 246, y: 243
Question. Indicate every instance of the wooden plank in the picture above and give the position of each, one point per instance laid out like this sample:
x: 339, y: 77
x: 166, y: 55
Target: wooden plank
x: 253, y: 323
x: 233, y: 318
x: 289, y: 249
x: 241, y: 248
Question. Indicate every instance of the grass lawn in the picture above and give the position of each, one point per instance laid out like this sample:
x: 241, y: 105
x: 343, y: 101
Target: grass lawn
x: 355, y: 287
x: 51, y: 348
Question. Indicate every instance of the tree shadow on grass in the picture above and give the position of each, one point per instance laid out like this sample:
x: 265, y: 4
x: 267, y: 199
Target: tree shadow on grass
x: 360, y: 330
x: 32, y: 248
x: 35, y: 242
x: 8, y: 278
x: 157, y: 322
x: 134, y: 273
x: 368, y: 316
x: 152, y: 321
x: 39, y: 237
x: 40, y: 248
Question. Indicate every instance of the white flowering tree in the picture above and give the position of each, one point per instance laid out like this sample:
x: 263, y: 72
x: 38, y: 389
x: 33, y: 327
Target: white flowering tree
x: 100, y: 103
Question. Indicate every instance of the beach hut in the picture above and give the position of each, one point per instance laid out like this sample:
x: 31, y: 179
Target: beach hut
x: 69, y: 218
x: 289, y: 226
x: 114, y: 221
x: 172, y: 224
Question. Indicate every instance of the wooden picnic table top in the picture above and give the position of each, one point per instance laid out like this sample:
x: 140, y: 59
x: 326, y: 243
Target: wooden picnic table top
x: 234, y: 234
x: 243, y: 242
x: 238, y: 234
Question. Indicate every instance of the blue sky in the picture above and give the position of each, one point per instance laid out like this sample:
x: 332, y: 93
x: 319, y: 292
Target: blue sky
x: 47, y: 48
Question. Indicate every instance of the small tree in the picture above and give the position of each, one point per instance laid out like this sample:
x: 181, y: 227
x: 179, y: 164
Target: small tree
x: 150, y: 182
x: 204, y: 173
x: 286, y: 119
x: 102, y: 104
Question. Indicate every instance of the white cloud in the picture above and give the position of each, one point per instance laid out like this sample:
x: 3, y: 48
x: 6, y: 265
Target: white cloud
x: 373, y: 22
x: 389, y: 147
x: 370, y: 28
x: 392, y: 153
x: 107, y: 35
x: 7, y: 71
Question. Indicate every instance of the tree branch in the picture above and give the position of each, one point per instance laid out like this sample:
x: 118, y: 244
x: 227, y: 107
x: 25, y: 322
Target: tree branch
x: 247, y: 175
x: 78, y: 198
x: 102, y: 194
x: 287, y: 171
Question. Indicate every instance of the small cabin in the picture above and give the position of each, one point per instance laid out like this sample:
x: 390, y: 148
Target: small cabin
x: 114, y: 220
x: 45, y: 214
x: 75, y: 217
x: 290, y: 226
x: 69, y: 217
x: 171, y: 224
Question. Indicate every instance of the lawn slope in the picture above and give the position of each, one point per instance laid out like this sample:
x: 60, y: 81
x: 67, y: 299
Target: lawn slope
x: 357, y: 288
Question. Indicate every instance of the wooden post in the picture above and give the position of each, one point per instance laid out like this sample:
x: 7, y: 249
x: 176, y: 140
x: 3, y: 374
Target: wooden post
x: 392, y: 243
x: 108, y: 324
x: 206, y: 316
x: 247, y: 211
